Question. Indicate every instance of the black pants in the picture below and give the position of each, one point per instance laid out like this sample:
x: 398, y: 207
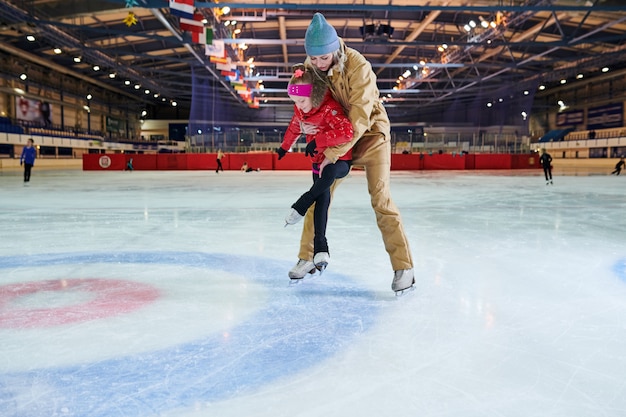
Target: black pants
x: 547, y: 171
x: 27, y: 169
x: 219, y: 166
x: 617, y: 171
x: 320, y: 195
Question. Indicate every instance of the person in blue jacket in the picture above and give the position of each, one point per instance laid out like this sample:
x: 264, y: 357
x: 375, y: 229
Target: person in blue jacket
x: 29, y: 153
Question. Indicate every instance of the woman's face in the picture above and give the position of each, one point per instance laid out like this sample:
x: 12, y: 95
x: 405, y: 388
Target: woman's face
x: 322, y: 62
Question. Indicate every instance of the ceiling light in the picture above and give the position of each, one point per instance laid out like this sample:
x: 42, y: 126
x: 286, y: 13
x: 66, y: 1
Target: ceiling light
x: 77, y: 59
x: 137, y: 86
x: 542, y: 87
x: 605, y: 69
x: 96, y: 68
x: 112, y: 75
x: 23, y: 76
x: 57, y: 51
x: 127, y: 82
x: 174, y: 104
x: 146, y: 91
x: 563, y: 81
x: 579, y: 76
x: 30, y: 38
x: 89, y: 96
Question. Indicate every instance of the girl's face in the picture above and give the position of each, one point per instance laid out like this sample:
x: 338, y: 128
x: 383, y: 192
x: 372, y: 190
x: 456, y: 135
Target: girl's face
x: 303, y: 103
x: 322, y: 62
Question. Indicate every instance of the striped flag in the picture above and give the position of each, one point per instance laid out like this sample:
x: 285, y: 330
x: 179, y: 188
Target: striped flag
x: 205, y: 38
x: 182, y: 8
x: 194, y: 25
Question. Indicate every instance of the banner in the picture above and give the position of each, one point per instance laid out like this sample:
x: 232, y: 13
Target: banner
x: 33, y: 111
x: 570, y: 118
x: 603, y: 117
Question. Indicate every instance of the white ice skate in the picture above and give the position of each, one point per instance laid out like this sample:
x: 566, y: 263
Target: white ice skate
x: 321, y: 261
x: 293, y: 217
x: 403, y: 280
x: 301, y: 269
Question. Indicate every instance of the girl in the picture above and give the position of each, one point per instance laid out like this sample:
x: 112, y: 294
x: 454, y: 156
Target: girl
x: 314, y: 105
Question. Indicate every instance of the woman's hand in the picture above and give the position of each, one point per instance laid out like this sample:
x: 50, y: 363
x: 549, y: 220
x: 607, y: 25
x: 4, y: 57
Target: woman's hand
x: 325, y: 162
x: 308, y: 128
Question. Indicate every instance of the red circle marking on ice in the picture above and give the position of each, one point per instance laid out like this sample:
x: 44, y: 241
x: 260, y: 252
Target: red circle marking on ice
x: 108, y: 298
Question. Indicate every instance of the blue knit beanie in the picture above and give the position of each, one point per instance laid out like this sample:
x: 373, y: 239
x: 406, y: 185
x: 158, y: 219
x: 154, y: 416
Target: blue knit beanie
x: 320, y: 38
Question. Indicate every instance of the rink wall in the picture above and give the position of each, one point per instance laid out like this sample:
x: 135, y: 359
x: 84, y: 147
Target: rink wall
x: 297, y: 161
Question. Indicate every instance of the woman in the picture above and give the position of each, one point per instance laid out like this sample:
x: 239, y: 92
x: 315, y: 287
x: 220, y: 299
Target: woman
x: 353, y: 84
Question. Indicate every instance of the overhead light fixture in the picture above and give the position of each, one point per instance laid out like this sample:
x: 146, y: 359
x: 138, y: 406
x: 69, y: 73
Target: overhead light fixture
x: 137, y: 86
x: 77, y: 59
x: 127, y: 82
x: 605, y: 69
x: 23, y: 76
x: 96, y: 67
x: 57, y: 51
x: 112, y: 75
x: 30, y: 38
x: 174, y: 104
x: 89, y: 96
x: 385, y: 30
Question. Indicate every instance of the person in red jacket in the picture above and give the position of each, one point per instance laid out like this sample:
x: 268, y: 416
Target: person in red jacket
x: 315, y: 106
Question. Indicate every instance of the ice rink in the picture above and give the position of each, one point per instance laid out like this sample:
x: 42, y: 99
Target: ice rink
x: 145, y: 294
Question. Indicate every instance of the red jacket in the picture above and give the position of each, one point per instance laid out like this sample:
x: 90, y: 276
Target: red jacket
x: 334, y: 128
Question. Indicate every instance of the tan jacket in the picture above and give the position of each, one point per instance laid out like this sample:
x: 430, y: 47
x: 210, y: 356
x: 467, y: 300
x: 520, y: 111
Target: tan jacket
x: 355, y: 88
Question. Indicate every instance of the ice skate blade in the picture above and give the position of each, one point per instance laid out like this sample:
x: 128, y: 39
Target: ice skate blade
x: 321, y: 267
x: 297, y: 280
x: 401, y: 293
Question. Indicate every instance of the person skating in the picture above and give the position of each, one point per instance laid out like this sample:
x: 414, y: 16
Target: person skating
x: 314, y: 105
x: 29, y: 154
x: 546, y: 163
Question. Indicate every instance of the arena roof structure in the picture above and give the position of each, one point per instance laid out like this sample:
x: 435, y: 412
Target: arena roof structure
x: 427, y: 55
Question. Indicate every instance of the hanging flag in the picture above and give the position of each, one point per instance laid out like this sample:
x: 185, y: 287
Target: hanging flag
x: 216, y: 49
x: 205, y: 38
x: 182, y: 8
x: 194, y: 25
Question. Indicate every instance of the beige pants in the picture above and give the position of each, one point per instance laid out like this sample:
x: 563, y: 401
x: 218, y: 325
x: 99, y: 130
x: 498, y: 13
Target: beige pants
x: 374, y: 154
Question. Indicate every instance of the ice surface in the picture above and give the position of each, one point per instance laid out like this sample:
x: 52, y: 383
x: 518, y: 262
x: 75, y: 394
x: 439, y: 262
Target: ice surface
x: 519, y: 308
